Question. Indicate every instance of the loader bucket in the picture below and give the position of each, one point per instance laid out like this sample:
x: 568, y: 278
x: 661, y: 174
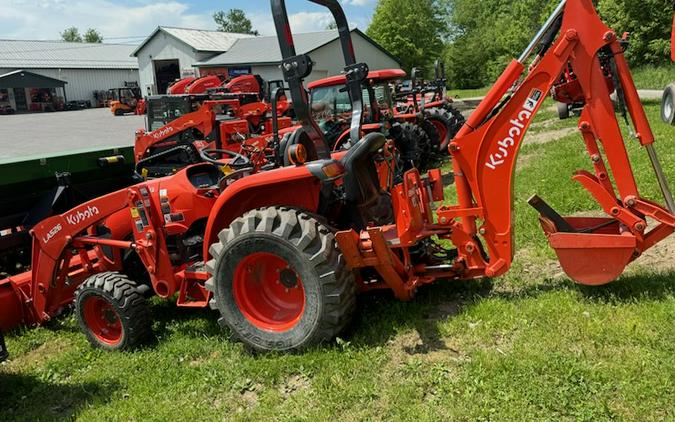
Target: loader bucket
x: 12, y: 310
x: 596, y: 253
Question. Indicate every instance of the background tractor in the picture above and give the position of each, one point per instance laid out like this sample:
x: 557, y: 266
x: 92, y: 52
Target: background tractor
x: 128, y: 99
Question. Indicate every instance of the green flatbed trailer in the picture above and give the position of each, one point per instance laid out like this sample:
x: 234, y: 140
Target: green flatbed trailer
x: 33, y: 188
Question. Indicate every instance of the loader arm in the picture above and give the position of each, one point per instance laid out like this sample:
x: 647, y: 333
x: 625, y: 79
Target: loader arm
x: 485, y: 150
x: 62, y: 256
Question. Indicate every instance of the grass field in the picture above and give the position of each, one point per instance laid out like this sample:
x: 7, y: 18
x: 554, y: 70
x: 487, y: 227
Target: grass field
x: 529, y: 346
x: 654, y: 77
x: 645, y: 77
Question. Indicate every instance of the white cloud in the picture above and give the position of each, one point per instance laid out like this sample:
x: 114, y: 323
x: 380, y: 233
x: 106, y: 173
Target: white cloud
x: 310, y: 21
x: 360, y: 3
x: 45, y: 19
x: 300, y: 22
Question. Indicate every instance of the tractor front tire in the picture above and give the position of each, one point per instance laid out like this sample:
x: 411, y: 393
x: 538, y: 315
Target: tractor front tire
x: 119, y: 112
x: 668, y: 105
x: 563, y: 110
x: 279, y: 281
x: 112, y: 312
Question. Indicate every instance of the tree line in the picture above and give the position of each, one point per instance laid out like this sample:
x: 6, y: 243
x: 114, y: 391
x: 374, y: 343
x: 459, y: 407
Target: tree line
x: 477, y: 39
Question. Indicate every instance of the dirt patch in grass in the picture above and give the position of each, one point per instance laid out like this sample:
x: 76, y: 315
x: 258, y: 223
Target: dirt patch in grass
x: 661, y: 257
x: 38, y: 356
x: 425, y: 344
x: 550, y: 136
x: 295, y: 384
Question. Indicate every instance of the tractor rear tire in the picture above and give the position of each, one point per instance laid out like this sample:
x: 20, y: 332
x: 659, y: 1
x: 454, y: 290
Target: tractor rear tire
x: 432, y: 133
x: 417, y: 136
x: 112, y: 312
x: 408, y: 149
x: 279, y: 281
x: 448, y: 121
x: 668, y: 105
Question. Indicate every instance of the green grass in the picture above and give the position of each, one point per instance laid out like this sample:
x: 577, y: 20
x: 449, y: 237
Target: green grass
x: 654, y: 77
x: 645, y: 77
x: 467, y: 93
x: 529, y: 346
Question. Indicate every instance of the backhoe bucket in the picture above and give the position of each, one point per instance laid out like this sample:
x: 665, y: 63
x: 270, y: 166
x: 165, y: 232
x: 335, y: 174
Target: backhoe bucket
x: 596, y: 253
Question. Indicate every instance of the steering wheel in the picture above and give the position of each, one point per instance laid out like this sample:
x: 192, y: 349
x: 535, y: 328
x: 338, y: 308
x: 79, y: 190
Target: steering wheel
x: 227, y: 180
x: 239, y: 161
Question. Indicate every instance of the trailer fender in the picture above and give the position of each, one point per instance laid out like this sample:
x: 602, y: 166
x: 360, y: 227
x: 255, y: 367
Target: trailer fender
x: 297, y: 187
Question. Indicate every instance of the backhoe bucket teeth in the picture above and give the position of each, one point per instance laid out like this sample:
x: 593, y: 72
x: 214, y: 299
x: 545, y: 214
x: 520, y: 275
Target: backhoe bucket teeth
x: 596, y: 253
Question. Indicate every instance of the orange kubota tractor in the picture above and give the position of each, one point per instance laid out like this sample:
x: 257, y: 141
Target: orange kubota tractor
x: 219, y: 123
x: 282, y: 253
x: 126, y: 100
x: 251, y: 90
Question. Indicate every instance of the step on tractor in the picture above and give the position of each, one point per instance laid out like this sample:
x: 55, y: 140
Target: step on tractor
x: 281, y: 254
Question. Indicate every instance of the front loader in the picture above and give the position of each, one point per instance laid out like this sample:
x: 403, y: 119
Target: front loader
x: 285, y: 251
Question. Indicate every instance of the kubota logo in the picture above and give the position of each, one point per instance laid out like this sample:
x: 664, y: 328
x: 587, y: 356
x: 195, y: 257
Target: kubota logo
x: 516, y: 131
x: 50, y: 235
x: 80, y: 216
x: 162, y: 132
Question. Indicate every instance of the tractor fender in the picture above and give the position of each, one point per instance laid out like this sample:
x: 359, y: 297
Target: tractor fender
x: 297, y: 187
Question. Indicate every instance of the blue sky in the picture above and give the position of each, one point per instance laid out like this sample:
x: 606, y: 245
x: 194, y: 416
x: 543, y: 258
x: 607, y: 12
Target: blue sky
x: 127, y: 21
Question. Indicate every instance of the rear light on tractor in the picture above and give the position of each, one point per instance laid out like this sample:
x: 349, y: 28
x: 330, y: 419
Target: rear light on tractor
x: 297, y: 154
x: 333, y: 170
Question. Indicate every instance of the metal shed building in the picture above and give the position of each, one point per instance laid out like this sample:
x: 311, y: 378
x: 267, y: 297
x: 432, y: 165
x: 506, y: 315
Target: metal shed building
x: 261, y: 55
x: 85, y: 68
x: 169, y: 53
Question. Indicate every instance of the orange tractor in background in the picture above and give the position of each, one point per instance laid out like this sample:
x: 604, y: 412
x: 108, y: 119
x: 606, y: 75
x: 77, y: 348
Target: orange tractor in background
x: 252, y: 92
x: 126, y: 100
x: 280, y: 252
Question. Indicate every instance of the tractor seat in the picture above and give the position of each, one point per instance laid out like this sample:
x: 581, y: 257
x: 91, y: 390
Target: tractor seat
x: 361, y: 182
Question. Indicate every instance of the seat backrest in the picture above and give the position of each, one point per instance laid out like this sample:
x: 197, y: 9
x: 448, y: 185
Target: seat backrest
x: 361, y: 181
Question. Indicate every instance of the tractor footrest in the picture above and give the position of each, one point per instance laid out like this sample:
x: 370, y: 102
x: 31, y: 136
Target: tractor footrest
x: 596, y: 252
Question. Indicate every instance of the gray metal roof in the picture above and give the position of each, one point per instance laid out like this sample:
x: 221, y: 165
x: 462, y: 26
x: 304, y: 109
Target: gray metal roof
x: 26, y: 79
x: 15, y: 54
x: 265, y: 50
x: 198, y: 39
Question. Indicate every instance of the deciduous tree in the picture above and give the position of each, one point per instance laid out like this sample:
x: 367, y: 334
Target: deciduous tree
x: 412, y: 30
x: 234, y: 20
